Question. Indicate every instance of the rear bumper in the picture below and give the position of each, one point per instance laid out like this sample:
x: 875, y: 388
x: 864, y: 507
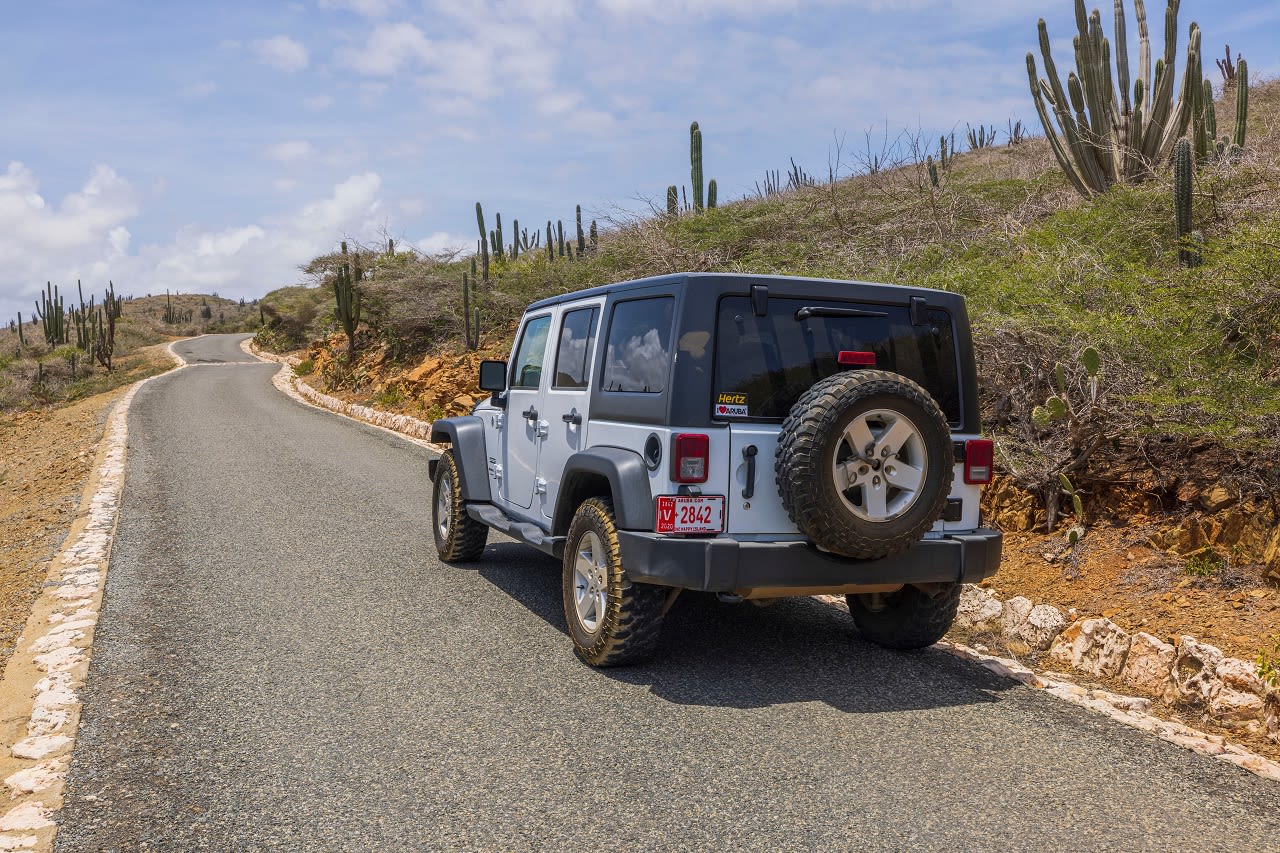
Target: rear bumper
x: 726, y: 565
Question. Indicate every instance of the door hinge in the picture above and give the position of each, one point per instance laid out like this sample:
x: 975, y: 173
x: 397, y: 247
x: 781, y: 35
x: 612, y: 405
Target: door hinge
x: 543, y: 429
x: 539, y: 486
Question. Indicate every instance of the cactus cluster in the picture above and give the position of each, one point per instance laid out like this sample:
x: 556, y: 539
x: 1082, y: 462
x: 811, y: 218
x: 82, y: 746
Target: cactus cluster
x: 51, y: 312
x: 346, y: 294
x: 1108, y: 139
x: 1058, y: 406
x: 982, y: 137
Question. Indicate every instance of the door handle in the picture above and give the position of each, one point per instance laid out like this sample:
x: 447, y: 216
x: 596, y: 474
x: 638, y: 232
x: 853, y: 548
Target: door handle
x: 572, y: 418
x: 530, y: 414
x: 749, y: 453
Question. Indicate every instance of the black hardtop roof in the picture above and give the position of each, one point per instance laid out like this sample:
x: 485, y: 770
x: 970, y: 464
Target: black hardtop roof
x: 784, y: 284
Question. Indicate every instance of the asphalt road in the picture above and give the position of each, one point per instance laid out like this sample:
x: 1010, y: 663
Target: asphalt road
x: 283, y: 664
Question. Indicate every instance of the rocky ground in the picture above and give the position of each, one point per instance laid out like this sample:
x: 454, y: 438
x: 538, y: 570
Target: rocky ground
x: 47, y: 458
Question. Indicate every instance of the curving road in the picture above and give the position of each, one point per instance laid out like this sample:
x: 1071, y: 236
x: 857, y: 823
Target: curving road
x: 282, y: 664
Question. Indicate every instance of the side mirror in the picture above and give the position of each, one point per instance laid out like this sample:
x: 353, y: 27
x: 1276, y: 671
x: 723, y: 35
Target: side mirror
x: 493, y: 376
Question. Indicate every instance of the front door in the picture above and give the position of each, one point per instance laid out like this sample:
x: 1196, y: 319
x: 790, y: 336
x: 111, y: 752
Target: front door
x: 565, y: 400
x: 525, y: 424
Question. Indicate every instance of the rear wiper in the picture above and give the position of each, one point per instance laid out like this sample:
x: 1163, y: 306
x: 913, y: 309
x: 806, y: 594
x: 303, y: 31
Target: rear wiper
x: 825, y: 311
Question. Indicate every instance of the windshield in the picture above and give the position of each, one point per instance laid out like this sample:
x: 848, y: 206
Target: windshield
x: 764, y: 364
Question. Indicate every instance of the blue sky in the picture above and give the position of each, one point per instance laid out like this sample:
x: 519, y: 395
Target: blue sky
x: 217, y: 146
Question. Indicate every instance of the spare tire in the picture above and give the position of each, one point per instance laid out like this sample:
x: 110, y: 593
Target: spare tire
x: 864, y: 463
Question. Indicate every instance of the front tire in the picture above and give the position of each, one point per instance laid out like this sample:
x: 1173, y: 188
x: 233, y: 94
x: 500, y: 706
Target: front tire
x: 612, y: 621
x: 911, y: 618
x: 459, y: 537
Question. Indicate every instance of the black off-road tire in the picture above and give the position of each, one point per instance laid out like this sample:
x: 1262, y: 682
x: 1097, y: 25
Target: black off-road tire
x: 631, y: 623
x: 911, y: 618
x: 462, y: 539
x: 811, y: 438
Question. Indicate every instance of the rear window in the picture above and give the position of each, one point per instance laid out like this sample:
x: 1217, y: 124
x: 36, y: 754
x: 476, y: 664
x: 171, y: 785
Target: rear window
x: 763, y: 364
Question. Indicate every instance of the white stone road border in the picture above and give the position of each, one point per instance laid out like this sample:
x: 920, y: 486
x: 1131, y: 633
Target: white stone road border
x: 1130, y: 710
x: 49, y: 665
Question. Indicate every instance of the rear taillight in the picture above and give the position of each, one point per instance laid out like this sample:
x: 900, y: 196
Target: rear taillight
x: 979, y: 454
x: 689, y: 454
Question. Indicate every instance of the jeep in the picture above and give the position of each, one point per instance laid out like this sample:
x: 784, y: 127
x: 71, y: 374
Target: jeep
x: 751, y: 436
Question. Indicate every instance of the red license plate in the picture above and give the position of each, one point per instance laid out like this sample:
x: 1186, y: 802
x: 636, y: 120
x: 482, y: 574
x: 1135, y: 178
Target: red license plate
x: 677, y: 514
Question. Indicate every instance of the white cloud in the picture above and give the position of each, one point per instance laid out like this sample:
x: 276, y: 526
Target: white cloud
x: 388, y: 47
x: 318, y: 103
x: 442, y: 241
x: 284, y: 185
x: 287, y: 152
x: 282, y: 52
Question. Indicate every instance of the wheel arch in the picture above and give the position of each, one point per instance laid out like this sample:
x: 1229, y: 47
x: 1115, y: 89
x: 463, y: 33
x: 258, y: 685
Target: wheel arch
x: 612, y: 472
x: 466, y: 435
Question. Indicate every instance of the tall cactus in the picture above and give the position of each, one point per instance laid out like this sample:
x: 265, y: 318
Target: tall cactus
x: 22, y: 340
x: 1183, y: 171
x: 711, y: 195
x: 1242, y: 102
x: 595, y: 237
x: 582, y: 235
x: 1106, y: 139
x: 346, y: 295
x: 498, y: 242
x: 551, y: 249
x: 470, y: 333
x: 673, y: 200
x: 483, y: 247
x: 695, y: 165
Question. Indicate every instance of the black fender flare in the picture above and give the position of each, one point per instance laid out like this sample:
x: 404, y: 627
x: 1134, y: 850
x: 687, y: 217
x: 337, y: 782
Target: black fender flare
x: 466, y: 434
x: 628, y: 480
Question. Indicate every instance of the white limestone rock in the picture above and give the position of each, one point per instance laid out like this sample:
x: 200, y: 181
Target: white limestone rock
x: 1013, y: 615
x: 1149, y: 664
x: 27, y: 816
x: 1195, y: 673
x: 1094, y: 646
x: 1041, y: 627
x: 979, y: 609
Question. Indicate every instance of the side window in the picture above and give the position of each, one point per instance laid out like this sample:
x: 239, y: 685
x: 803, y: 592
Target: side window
x: 526, y: 370
x: 573, y: 352
x: 638, y: 354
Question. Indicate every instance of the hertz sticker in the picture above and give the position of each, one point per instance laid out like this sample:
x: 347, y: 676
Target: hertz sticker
x: 731, y: 405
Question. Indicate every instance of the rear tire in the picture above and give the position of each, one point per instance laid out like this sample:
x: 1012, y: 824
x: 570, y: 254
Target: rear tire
x: 612, y: 621
x: 459, y: 537
x: 911, y: 618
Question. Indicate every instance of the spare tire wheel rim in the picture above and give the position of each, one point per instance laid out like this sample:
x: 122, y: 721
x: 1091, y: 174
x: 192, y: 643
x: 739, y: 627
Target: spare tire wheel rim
x: 590, y: 582
x: 880, y: 465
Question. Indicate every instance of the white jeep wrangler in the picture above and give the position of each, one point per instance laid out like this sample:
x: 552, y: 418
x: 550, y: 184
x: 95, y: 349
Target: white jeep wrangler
x: 753, y: 436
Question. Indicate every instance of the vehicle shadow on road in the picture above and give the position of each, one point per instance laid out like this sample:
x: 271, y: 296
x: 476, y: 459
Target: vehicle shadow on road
x: 744, y: 656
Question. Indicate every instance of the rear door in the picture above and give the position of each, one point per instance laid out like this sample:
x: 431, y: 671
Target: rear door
x: 564, y: 404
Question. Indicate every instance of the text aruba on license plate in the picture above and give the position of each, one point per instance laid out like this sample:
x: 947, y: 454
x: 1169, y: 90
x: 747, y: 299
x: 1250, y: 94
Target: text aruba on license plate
x: 690, y: 515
